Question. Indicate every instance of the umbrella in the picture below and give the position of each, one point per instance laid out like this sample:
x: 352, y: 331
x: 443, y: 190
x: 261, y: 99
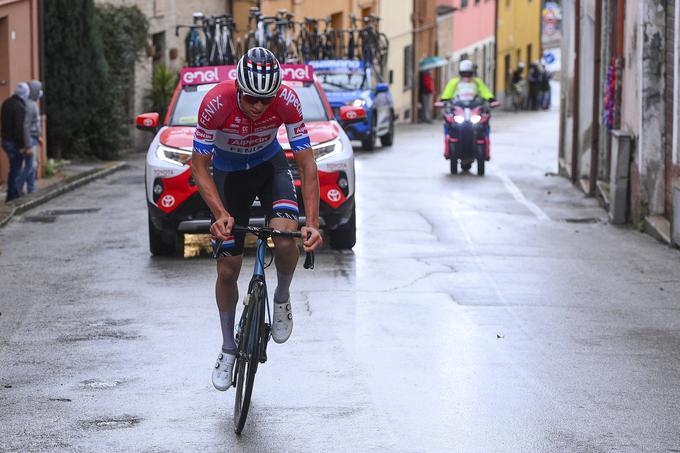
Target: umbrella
x: 431, y: 62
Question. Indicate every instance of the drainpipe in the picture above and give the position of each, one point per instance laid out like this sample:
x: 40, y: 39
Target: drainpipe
x: 575, y: 94
x: 595, y: 143
x: 495, y: 51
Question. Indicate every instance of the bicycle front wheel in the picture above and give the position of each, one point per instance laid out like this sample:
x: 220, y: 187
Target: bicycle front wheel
x: 248, y: 353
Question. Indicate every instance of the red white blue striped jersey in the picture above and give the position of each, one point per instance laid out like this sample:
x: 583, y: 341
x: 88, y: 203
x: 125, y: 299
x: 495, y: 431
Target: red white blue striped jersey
x: 238, y: 143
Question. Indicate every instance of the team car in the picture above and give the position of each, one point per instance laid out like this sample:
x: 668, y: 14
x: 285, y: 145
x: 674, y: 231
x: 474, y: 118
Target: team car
x: 352, y: 82
x: 175, y: 206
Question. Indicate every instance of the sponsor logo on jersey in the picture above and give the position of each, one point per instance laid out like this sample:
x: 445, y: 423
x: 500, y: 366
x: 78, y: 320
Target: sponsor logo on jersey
x: 202, y: 134
x: 300, y: 130
x: 249, y: 141
x: 209, y: 110
x: 290, y: 97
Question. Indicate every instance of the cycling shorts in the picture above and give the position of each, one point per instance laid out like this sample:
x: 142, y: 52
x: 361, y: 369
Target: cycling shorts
x: 271, y: 182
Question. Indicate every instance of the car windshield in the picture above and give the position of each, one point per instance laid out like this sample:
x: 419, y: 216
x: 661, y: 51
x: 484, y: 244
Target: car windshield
x: 343, y: 81
x: 189, y: 100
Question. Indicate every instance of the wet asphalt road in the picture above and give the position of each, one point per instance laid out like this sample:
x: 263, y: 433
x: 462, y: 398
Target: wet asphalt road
x: 495, y: 314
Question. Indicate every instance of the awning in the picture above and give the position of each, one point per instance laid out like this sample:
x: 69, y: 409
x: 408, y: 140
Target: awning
x: 432, y: 62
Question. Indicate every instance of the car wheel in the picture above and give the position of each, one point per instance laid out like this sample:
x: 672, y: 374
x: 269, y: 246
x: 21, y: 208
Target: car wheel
x: 161, y: 245
x: 368, y: 143
x: 388, y: 139
x: 480, y: 166
x: 345, y: 236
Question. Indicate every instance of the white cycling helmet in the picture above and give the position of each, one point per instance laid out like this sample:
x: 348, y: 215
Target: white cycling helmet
x: 466, y: 66
x: 258, y: 73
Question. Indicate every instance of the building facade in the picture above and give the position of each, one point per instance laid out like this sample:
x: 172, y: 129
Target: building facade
x: 472, y: 27
x: 620, y: 123
x: 165, y: 47
x: 20, y: 45
x: 518, y: 39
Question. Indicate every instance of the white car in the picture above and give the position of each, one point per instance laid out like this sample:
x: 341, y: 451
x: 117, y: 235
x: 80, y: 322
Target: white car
x: 175, y: 207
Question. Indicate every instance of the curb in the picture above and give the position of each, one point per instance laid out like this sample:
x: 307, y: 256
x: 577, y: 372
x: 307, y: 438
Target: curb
x: 67, y: 185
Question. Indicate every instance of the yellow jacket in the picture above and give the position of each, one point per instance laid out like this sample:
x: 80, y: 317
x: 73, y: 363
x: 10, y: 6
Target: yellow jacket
x: 452, y: 86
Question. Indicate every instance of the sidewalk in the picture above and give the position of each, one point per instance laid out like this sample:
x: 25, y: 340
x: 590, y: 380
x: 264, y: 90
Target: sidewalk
x: 71, y: 176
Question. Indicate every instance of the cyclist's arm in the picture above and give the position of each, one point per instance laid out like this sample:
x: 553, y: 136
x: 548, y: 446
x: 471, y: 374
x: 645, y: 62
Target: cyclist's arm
x: 450, y: 89
x: 310, y: 185
x: 304, y: 159
x: 201, y: 157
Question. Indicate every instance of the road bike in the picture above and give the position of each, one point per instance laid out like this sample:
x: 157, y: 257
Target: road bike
x: 253, y: 329
x: 216, y: 45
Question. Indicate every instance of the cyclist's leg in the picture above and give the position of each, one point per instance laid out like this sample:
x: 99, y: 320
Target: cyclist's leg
x: 279, y: 198
x: 237, y: 196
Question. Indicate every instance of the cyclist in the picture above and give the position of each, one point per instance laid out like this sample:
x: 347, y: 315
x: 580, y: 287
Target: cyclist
x: 237, y: 125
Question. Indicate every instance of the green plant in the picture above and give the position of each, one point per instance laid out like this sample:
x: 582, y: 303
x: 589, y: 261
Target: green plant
x: 89, y: 73
x: 163, y: 84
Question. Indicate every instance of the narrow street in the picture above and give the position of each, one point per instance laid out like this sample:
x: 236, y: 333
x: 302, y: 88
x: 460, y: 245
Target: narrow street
x: 494, y: 314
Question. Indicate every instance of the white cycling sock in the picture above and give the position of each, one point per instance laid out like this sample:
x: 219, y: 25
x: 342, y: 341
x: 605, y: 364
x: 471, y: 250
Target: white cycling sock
x: 227, y: 322
x: 282, y: 293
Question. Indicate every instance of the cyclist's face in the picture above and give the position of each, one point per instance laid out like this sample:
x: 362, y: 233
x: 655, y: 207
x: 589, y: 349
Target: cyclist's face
x: 254, y: 107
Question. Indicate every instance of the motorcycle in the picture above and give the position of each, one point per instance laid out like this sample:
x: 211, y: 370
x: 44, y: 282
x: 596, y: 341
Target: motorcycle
x: 466, y: 125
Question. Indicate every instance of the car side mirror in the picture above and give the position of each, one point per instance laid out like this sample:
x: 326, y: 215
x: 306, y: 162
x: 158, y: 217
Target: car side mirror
x: 350, y: 114
x: 147, y: 122
x: 382, y: 88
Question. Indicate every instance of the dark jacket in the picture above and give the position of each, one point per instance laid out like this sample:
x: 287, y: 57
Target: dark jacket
x: 13, y: 119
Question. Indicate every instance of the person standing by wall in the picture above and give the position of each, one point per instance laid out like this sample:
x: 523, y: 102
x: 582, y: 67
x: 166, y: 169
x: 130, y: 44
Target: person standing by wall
x: 15, y: 136
x: 426, y: 90
x: 30, y: 163
x: 534, y: 85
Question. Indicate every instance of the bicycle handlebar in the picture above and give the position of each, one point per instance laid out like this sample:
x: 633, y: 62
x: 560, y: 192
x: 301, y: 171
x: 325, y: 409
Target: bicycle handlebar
x: 266, y: 232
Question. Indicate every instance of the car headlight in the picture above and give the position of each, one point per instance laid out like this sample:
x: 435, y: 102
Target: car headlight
x: 327, y: 149
x: 458, y: 118
x: 475, y: 119
x: 173, y: 155
x: 358, y: 103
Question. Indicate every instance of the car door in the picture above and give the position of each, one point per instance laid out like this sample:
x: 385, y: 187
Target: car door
x: 381, y: 104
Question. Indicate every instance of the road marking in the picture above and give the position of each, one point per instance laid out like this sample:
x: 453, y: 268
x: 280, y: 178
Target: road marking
x: 519, y: 196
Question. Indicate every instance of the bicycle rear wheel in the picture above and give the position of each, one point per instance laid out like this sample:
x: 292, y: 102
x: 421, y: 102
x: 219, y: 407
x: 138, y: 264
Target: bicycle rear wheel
x: 248, y: 355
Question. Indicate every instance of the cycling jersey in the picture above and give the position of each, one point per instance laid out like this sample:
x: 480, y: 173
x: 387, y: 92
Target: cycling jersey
x: 238, y: 143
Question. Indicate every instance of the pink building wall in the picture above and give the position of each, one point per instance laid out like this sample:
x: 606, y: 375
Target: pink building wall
x: 473, y: 23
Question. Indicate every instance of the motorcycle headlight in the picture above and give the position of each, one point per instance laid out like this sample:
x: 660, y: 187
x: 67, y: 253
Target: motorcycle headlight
x: 458, y: 118
x: 173, y: 155
x: 476, y: 119
x: 358, y: 103
x: 327, y: 149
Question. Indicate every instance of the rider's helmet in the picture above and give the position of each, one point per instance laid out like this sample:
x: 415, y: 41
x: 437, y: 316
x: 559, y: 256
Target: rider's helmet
x: 466, y: 68
x: 258, y: 73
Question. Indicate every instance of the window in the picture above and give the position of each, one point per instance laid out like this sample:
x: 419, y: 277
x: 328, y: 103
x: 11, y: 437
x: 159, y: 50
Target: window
x: 408, y: 67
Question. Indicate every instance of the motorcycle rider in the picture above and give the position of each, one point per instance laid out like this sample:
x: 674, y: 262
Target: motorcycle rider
x: 466, y: 75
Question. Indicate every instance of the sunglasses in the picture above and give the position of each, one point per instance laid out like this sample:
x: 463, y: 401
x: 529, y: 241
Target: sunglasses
x: 254, y: 99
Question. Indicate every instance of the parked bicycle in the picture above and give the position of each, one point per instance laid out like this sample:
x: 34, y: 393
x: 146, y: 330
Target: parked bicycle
x: 254, y: 330
x: 210, y: 41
